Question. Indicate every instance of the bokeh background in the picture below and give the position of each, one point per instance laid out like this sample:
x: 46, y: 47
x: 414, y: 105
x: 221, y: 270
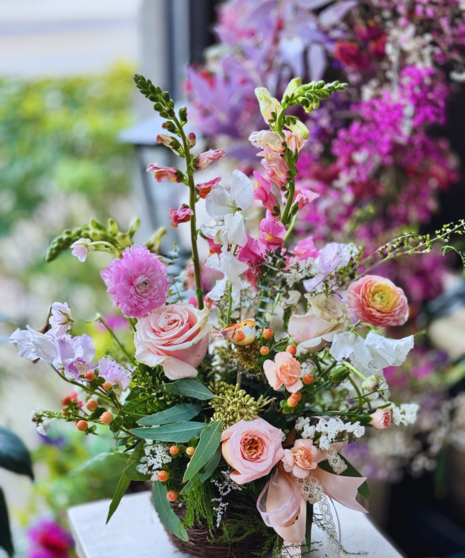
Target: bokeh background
x: 75, y: 140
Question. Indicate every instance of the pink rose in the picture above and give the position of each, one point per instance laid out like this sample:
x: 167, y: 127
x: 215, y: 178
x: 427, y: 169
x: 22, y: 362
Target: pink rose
x: 302, y: 458
x: 378, y: 301
x: 204, y: 159
x: 326, y: 317
x: 272, y: 232
x: 164, y: 173
x: 175, y: 336
x: 381, y: 419
x: 182, y: 215
x: 285, y: 370
x: 252, y: 449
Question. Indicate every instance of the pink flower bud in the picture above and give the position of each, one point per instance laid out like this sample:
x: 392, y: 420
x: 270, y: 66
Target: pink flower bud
x: 205, y: 188
x: 381, y: 419
x: 164, y: 173
x: 182, y: 215
x: 204, y: 159
x: 191, y: 139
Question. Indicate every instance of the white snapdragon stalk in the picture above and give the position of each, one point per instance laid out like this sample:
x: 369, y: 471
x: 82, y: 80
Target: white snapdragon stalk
x: 231, y: 268
x: 226, y: 204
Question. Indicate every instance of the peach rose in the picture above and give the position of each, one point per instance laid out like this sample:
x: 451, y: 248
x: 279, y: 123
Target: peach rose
x: 175, y: 336
x: 285, y: 370
x: 326, y: 317
x: 378, y: 301
x: 252, y: 449
x: 381, y: 419
x: 302, y: 458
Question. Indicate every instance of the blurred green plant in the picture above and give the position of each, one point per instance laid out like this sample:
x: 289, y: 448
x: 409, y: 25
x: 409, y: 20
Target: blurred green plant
x: 61, y: 134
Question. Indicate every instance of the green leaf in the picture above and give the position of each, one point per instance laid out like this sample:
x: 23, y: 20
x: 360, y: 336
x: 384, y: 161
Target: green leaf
x: 351, y: 471
x: 179, y: 432
x: 211, y: 466
x: 134, y: 474
x: 190, y: 388
x: 125, y: 480
x: 209, y: 443
x: 6, y: 540
x: 165, y: 512
x: 14, y: 456
x: 104, y: 461
x: 175, y: 414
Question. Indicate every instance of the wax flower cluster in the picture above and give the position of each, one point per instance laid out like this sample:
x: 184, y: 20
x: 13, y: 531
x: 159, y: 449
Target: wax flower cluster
x: 266, y: 374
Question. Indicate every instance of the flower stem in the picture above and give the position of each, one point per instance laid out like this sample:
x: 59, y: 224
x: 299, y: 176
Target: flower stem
x: 193, y: 222
x: 230, y: 301
x: 121, y: 346
x: 360, y: 398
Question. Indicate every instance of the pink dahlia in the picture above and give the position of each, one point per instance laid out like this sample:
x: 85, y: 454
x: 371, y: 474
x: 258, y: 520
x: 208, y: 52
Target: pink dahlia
x: 137, y: 283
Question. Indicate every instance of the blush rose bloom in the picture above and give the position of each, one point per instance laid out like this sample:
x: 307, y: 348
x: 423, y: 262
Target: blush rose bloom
x: 326, y: 317
x: 175, y: 336
x: 252, y: 449
x: 381, y: 419
x: 285, y: 370
x: 378, y: 301
x: 302, y: 458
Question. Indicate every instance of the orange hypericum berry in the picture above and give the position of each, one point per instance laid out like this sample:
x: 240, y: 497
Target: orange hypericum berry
x: 267, y: 333
x: 264, y: 350
x: 82, y: 425
x: 293, y: 401
x: 90, y: 376
x: 291, y: 349
x: 107, y: 385
x: 66, y: 401
x: 65, y: 413
x: 162, y: 476
x: 107, y: 418
x: 91, y: 405
x: 174, y: 450
x: 308, y: 379
x: 171, y: 496
x: 297, y: 395
x: 190, y: 451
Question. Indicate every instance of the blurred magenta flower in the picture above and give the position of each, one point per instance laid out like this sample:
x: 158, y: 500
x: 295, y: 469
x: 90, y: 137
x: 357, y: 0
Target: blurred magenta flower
x: 49, y: 540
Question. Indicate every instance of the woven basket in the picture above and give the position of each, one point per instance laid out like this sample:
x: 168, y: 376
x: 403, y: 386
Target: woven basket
x: 199, y: 536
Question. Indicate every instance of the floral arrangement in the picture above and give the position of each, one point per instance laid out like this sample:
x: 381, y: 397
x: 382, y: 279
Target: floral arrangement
x: 211, y: 400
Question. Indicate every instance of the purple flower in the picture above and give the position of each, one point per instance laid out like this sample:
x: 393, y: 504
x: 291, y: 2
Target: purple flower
x: 114, y: 373
x: 137, y: 283
x: 49, y: 540
x: 76, y: 354
x: 60, y: 318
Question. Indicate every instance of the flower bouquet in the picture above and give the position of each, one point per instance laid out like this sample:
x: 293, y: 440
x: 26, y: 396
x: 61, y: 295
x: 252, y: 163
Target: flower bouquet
x: 237, y: 402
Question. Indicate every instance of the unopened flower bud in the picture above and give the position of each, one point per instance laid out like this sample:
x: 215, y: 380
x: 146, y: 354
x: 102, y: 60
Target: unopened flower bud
x: 372, y: 383
x: 292, y: 87
x: 381, y: 419
x: 82, y: 425
x: 191, y: 139
x: 91, y: 405
x: 339, y: 375
x: 107, y: 418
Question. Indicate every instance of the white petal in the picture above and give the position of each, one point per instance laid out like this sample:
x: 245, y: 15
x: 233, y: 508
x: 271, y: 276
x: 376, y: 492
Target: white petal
x: 236, y: 229
x: 218, y: 290
x: 231, y: 266
x: 218, y: 203
x: 214, y: 262
x: 388, y: 352
x: 241, y: 190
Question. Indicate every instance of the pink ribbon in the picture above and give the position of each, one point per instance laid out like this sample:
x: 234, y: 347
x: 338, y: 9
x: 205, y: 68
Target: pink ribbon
x: 283, y: 507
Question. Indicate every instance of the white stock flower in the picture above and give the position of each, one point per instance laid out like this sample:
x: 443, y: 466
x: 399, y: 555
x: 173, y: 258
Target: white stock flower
x: 406, y: 413
x: 231, y: 268
x: 372, y: 354
x: 226, y: 204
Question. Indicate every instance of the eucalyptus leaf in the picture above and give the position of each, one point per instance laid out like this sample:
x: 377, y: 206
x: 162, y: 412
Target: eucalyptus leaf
x: 108, y: 460
x: 14, y: 456
x: 180, y: 432
x: 6, y: 540
x: 190, y: 388
x: 351, y: 471
x: 165, y: 512
x: 175, y: 414
x: 125, y: 480
x: 209, y: 442
x: 211, y: 466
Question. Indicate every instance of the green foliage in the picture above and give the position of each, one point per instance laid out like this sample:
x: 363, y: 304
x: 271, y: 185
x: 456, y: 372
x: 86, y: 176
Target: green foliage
x: 190, y: 388
x: 175, y: 414
x: 209, y: 442
x: 165, y: 512
x: 179, y: 432
x: 14, y: 456
x: 6, y: 540
x: 60, y: 135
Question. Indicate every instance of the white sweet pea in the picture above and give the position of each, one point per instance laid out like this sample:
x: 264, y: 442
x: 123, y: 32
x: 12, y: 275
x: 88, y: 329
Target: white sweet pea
x: 372, y: 354
x: 231, y: 268
x: 226, y: 204
x: 33, y: 345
